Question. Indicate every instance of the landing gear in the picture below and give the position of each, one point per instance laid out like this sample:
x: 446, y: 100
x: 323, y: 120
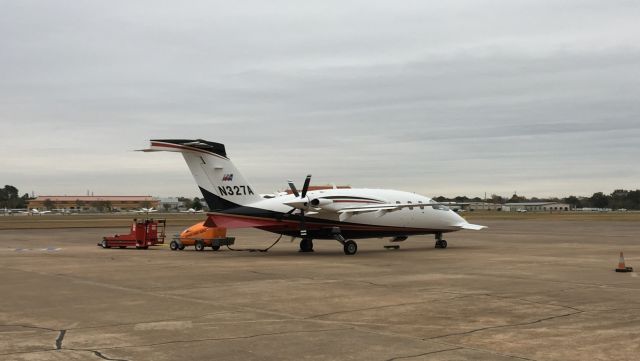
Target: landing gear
x: 350, y: 247
x: 440, y: 243
x: 199, y: 245
x: 306, y: 245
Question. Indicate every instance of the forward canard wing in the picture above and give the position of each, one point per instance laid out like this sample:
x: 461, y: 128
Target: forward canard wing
x: 474, y: 227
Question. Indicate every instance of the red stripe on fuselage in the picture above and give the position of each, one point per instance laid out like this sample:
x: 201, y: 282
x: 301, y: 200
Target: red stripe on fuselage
x: 237, y: 221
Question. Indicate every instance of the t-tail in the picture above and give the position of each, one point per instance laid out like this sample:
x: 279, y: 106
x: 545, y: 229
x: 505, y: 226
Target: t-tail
x: 220, y: 182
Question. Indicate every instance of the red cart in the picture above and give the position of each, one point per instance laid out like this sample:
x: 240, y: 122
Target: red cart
x: 144, y: 233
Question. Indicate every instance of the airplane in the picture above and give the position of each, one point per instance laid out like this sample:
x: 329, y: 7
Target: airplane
x: 339, y: 214
x: 191, y: 210
x: 35, y: 211
x: 146, y: 210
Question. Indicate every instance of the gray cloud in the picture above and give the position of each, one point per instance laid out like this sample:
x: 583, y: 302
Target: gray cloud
x: 456, y: 98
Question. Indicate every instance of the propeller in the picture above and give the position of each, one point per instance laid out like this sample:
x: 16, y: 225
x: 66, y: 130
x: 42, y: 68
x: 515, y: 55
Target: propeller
x: 302, y: 196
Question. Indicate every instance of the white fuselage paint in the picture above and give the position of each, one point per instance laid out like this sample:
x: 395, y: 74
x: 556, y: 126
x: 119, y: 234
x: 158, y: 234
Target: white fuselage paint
x: 421, y: 217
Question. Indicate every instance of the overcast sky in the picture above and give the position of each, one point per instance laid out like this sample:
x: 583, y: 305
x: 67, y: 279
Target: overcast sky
x: 440, y: 98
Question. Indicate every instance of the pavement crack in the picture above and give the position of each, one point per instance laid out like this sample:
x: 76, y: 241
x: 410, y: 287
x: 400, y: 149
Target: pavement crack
x: 423, y: 354
x: 59, y: 339
x: 365, y: 309
x: 504, y: 326
x: 33, y: 327
x: 102, y: 356
x: 534, y: 302
x: 484, y: 350
x: 97, y: 353
x: 369, y: 283
x: 226, y: 338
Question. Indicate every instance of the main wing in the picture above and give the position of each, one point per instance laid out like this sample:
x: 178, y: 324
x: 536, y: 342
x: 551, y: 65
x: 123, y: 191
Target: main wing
x: 384, y: 208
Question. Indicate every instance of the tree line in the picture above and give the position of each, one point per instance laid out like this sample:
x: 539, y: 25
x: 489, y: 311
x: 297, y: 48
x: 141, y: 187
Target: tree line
x: 618, y: 199
x: 10, y: 198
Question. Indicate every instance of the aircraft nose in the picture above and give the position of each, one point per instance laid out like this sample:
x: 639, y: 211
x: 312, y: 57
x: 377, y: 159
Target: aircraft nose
x: 455, y: 218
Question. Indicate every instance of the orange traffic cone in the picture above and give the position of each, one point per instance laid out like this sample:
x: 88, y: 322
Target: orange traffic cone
x: 621, y: 266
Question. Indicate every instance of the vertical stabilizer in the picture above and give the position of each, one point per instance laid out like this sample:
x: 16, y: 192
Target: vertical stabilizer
x: 220, y: 182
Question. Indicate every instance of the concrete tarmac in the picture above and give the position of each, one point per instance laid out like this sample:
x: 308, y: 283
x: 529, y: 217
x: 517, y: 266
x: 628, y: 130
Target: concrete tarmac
x: 520, y: 290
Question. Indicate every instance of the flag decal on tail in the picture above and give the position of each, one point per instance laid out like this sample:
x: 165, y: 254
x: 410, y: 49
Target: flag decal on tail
x: 227, y: 178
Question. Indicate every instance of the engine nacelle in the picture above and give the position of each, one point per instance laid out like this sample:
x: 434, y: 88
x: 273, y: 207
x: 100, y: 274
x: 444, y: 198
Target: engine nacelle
x: 320, y: 202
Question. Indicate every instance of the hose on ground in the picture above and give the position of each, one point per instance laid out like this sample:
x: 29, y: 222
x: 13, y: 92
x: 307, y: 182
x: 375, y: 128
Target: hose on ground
x: 255, y: 249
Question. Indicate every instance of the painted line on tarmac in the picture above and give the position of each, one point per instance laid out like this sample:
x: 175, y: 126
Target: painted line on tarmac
x: 48, y: 249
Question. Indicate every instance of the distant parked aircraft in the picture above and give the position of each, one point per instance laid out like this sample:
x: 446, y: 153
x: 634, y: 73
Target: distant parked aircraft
x: 36, y: 211
x: 146, y: 210
x: 191, y: 210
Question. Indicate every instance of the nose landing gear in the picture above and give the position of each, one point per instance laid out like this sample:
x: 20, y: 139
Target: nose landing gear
x: 440, y: 243
x: 306, y: 245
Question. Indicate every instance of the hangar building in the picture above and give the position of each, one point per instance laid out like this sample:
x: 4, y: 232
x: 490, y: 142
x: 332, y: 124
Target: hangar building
x: 536, y: 207
x: 88, y: 203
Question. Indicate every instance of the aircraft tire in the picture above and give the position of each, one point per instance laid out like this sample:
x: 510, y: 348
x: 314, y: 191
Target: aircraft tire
x: 441, y: 244
x: 199, y: 245
x: 104, y: 244
x: 350, y: 248
x: 181, y: 247
x: 306, y: 245
x: 174, y: 245
x: 215, y: 248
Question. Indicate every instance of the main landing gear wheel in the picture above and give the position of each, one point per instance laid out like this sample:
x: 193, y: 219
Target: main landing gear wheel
x: 215, y: 248
x: 104, y: 244
x: 350, y: 247
x: 199, y: 246
x: 441, y: 244
x: 174, y: 245
x: 306, y: 245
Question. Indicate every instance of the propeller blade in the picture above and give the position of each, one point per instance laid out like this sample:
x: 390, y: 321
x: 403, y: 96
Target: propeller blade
x: 293, y: 188
x: 305, y: 188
